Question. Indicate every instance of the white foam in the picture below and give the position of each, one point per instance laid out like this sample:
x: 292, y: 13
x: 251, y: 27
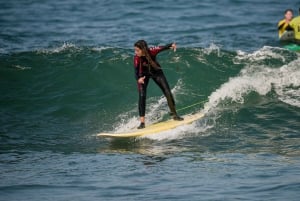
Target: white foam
x: 100, y: 49
x: 176, y: 133
x: 59, y: 49
x: 203, y: 53
x: 261, y: 79
x: 212, y: 48
x: 287, y: 83
x: 266, y: 52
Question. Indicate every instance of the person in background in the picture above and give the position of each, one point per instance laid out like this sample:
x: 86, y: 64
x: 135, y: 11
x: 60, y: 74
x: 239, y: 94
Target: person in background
x: 295, y: 25
x: 283, y: 24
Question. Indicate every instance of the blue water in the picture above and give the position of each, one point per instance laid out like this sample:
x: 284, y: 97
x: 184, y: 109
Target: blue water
x: 66, y: 74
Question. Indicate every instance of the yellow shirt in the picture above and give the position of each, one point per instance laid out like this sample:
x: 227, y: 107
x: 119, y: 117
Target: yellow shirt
x: 295, y: 24
x: 281, y: 27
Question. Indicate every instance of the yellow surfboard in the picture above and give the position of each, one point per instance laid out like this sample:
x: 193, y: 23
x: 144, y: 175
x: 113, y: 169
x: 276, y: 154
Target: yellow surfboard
x: 155, y: 128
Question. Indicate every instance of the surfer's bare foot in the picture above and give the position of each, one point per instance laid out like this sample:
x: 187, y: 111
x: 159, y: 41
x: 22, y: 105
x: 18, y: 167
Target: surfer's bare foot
x: 141, y: 126
x: 178, y: 118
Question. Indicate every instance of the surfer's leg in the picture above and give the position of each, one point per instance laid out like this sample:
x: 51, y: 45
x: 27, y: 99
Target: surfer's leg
x: 142, y: 101
x: 161, y: 81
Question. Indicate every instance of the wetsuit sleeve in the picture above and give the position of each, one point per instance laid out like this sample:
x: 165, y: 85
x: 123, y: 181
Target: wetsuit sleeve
x: 136, y: 64
x: 157, y: 49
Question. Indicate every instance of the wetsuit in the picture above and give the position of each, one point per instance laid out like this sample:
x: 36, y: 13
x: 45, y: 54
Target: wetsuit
x: 143, y: 68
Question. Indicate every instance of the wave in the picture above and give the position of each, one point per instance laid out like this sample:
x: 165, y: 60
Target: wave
x: 261, y: 79
x: 104, y: 81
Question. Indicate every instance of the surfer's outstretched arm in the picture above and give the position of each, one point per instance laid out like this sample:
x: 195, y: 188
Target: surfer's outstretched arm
x: 157, y: 49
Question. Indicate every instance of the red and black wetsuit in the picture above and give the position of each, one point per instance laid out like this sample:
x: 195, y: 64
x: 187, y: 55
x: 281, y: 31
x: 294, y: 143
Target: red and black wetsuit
x: 143, y: 68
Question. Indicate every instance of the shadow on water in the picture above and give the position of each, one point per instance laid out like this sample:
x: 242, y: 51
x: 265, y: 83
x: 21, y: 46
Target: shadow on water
x: 157, y: 151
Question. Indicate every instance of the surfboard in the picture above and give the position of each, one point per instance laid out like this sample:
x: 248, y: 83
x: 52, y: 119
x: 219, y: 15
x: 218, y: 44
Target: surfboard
x: 155, y: 128
x: 287, y: 36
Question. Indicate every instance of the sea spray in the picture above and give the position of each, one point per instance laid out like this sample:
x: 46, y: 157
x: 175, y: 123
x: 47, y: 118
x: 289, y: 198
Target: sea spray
x: 260, y: 79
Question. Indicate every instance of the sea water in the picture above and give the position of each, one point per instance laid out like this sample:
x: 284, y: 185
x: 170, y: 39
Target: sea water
x: 66, y: 74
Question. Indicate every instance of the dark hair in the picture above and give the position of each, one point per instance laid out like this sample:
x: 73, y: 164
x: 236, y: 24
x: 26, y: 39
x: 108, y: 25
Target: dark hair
x: 289, y: 10
x: 144, y: 47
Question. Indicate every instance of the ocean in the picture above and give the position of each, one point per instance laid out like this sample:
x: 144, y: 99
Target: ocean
x: 66, y: 74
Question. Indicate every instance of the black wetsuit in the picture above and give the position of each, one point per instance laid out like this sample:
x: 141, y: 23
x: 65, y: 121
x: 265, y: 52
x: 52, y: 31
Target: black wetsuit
x: 143, y: 68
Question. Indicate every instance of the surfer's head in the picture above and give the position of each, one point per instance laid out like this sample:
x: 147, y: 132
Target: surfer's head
x: 288, y: 14
x: 141, y: 48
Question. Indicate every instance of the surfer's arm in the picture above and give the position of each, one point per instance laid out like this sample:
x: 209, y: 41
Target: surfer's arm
x: 157, y: 49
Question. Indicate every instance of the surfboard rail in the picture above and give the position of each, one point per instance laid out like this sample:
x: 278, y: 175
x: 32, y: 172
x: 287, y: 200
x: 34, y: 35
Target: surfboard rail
x: 155, y: 128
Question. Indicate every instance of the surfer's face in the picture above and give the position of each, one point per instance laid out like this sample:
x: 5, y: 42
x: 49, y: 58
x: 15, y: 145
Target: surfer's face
x: 138, y: 51
x: 288, y: 15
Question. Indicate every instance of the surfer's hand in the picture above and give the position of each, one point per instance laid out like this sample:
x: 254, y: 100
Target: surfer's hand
x: 173, y: 47
x: 141, y: 80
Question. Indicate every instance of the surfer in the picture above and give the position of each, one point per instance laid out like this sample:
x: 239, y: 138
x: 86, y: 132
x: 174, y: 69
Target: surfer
x: 283, y: 24
x: 147, y: 67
